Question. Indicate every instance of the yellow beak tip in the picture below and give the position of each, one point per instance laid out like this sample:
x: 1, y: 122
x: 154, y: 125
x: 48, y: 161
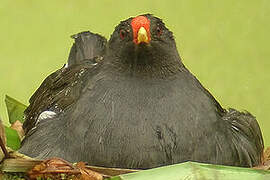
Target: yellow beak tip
x: 142, y: 35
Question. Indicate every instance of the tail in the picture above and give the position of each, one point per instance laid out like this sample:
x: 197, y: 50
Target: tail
x: 87, y: 46
x: 246, y: 137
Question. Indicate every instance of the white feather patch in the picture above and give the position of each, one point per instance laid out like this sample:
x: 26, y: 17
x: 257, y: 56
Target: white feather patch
x: 45, y: 115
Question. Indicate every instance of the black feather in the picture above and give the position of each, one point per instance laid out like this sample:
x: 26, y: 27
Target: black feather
x: 87, y: 46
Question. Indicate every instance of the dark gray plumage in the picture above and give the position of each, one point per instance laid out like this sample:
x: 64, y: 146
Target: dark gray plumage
x: 87, y: 46
x: 138, y: 108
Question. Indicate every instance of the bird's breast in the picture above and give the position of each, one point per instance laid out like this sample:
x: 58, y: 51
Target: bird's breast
x: 127, y: 116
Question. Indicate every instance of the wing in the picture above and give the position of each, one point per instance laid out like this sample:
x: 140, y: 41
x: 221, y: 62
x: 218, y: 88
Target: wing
x: 241, y: 132
x: 244, y: 140
x: 63, y: 87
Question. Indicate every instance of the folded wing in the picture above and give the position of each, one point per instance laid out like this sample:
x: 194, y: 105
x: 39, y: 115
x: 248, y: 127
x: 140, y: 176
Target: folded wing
x: 62, y: 88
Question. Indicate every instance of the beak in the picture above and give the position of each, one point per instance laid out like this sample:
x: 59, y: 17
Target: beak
x: 142, y: 36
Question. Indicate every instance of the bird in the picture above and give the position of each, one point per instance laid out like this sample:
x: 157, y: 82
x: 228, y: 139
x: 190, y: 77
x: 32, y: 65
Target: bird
x: 130, y: 102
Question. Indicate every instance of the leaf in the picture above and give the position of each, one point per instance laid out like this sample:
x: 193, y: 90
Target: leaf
x: 87, y: 174
x: 196, y: 171
x: 21, y: 163
x: 15, y: 109
x: 13, y: 139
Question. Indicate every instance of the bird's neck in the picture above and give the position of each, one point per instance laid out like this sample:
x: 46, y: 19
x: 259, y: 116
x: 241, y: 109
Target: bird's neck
x: 145, y: 64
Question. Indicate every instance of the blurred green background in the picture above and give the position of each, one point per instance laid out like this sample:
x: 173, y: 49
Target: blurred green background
x: 224, y: 43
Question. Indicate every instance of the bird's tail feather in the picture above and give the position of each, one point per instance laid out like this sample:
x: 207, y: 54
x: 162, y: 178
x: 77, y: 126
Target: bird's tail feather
x: 87, y: 46
x: 246, y: 137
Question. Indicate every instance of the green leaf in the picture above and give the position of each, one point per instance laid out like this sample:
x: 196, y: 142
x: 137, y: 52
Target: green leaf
x: 13, y: 139
x: 196, y: 171
x: 15, y: 109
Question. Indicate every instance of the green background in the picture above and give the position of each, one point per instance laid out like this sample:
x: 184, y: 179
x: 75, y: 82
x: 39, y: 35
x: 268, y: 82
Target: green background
x: 224, y: 43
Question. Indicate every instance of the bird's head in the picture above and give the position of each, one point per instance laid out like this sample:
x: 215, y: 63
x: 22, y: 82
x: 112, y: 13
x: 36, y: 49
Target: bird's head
x: 143, y: 42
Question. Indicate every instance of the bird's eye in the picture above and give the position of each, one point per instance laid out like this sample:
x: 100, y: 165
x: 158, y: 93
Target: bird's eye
x: 159, y: 31
x: 123, y: 34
